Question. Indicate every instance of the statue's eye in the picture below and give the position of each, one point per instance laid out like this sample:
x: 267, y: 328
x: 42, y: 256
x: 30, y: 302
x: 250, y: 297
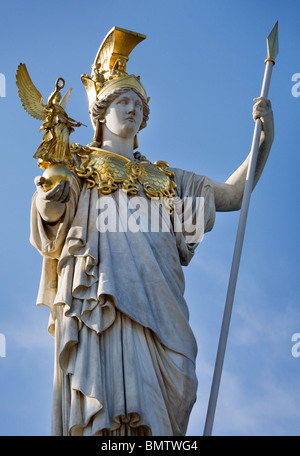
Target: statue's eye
x: 123, y: 101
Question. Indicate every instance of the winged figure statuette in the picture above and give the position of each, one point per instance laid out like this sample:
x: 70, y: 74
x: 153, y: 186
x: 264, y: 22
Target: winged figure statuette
x: 58, y: 126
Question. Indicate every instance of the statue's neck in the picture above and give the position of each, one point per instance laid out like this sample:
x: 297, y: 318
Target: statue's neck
x: 118, y: 144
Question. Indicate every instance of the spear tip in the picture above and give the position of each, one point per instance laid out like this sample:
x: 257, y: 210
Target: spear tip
x: 272, y: 44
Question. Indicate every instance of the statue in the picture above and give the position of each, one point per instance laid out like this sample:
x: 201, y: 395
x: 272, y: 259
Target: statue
x: 57, y: 125
x: 124, y: 350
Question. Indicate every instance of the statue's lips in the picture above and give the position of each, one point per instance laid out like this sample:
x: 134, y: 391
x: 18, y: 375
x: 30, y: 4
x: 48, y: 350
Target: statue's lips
x: 130, y: 118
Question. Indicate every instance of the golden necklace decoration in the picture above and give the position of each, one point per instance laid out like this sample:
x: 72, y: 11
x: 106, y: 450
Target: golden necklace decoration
x: 109, y: 171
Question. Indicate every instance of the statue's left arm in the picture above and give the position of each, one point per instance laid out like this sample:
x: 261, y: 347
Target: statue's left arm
x: 229, y: 195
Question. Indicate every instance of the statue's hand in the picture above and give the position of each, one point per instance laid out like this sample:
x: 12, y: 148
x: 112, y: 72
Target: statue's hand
x: 51, y: 204
x: 262, y: 110
x: 59, y: 193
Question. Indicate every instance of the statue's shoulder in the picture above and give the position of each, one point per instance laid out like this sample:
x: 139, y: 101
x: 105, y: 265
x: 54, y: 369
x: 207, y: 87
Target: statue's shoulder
x: 109, y: 171
x: 98, y: 165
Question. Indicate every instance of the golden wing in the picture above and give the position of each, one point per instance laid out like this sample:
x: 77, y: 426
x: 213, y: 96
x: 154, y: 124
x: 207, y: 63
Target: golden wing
x: 31, y: 98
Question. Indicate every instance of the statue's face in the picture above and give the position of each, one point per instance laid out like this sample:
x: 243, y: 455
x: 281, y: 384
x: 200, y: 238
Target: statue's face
x: 124, y: 115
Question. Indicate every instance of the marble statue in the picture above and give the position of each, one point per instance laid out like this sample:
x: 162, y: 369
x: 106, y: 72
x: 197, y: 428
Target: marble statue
x: 124, y: 350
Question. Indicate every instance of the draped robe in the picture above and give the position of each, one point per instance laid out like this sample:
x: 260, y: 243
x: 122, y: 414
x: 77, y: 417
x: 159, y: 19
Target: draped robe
x: 124, y: 349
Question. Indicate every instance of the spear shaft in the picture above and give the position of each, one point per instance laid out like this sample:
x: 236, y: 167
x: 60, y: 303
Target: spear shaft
x: 272, y: 43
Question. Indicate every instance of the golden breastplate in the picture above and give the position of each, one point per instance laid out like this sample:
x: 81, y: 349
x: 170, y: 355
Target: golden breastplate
x: 109, y: 171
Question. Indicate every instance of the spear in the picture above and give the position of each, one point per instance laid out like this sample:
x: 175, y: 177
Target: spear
x: 272, y: 47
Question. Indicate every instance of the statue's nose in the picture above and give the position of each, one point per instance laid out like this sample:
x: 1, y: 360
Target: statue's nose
x: 131, y: 108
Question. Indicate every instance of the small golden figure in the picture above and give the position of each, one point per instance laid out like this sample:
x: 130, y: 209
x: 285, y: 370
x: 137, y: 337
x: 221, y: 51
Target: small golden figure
x: 58, y: 126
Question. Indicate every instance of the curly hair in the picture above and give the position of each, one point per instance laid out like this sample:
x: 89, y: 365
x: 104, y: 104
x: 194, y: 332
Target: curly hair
x: 99, y: 108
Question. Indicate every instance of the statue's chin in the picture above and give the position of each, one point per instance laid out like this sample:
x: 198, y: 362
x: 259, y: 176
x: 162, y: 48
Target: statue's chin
x: 54, y: 175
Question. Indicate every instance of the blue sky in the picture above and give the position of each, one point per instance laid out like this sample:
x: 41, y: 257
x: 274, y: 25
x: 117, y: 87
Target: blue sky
x: 202, y: 64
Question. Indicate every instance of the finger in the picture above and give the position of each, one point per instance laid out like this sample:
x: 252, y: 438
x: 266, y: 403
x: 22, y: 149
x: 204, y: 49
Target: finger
x: 260, y: 98
x: 39, y: 180
x: 261, y: 111
x: 263, y: 105
x: 55, y: 193
x: 260, y: 105
x: 262, y: 101
x: 257, y: 113
x: 66, y: 193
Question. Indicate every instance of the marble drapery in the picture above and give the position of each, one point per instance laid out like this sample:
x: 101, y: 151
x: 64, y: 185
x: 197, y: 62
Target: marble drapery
x: 124, y: 350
